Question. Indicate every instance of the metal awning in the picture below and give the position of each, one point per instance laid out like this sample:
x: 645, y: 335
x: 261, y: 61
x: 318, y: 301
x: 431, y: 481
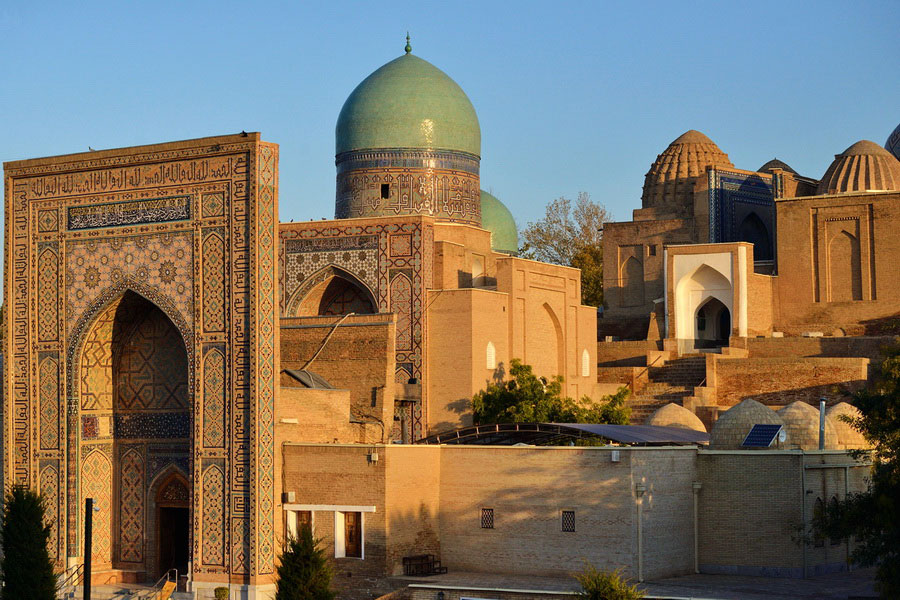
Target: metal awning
x: 562, y: 434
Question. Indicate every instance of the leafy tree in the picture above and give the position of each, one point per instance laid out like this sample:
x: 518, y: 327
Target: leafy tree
x: 27, y: 568
x: 527, y: 398
x: 304, y: 572
x: 571, y: 236
x: 605, y: 585
x: 872, y: 517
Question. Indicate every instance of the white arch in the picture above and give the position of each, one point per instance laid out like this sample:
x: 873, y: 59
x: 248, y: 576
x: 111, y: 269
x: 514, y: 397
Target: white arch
x: 694, y: 290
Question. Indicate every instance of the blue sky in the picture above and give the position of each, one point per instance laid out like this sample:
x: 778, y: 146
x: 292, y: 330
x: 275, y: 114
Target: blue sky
x: 571, y: 96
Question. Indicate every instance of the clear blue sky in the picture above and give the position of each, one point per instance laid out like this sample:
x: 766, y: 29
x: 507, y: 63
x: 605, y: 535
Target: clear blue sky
x: 571, y: 95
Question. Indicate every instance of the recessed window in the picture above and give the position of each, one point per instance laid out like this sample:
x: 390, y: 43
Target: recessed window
x: 651, y: 250
x: 385, y: 191
x: 487, y: 518
x: 567, y: 520
x: 491, y: 356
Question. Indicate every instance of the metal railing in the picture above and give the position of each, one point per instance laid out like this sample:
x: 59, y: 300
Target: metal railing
x: 154, y: 592
x: 68, y: 581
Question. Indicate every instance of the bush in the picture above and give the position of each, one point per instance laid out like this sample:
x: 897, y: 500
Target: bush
x: 221, y: 593
x: 606, y: 585
x: 304, y: 572
x: 26, y: 565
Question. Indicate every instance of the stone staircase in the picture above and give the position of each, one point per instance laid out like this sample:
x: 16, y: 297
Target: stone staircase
x: 673, y: 381
x: 124, y: 592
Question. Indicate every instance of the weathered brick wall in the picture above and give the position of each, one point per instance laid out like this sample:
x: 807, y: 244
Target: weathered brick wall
x: 780, y: 381
x: 358, y: 357
x: 412, y: 503
x: 753, y: 506
x: 864, y: 346
x: 625, y: 353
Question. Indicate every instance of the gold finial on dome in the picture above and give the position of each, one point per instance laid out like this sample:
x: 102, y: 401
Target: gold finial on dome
x: 408, y: 47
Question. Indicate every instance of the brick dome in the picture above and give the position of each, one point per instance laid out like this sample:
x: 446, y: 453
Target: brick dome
x: 801, y: 421
x: 735, y: 423
x: 673, y: 415
x: 775, y: 164
x: 864, y: 166
x: 847, y: 436
x: 669, y: 183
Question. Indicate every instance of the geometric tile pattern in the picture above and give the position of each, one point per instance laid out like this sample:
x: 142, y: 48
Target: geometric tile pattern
x: 213, y: 515
x: 48, y: 295
x: 49, y: 488
x: 152, y: 366
x: 93, y: 265
x: 214, y: 399
x: 137, y: 220
x: 401, y: 303
x: 213, y: 282
x: 96, y: 483
x: 131, y: 506
x: 48, y: 375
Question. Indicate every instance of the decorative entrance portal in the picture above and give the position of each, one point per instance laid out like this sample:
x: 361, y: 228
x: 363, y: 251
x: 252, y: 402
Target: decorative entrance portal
x: 713, y: 324
x: 134, y: 432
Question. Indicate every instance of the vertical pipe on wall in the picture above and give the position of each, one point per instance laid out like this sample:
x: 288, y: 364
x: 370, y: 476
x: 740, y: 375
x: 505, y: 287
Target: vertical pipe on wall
x: 639, y: 491
x: 821, y: 423
x: 697, y: 485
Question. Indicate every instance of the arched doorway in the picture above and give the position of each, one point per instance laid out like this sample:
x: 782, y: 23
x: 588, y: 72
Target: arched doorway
x: 173, y: 524
x: 332, y: 291
x: 713, y: 324
x: 753, y: 230
x: 135, y: 415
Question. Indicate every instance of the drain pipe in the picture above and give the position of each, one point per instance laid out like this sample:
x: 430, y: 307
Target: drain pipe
x: 639, y: 490
x: 697, y: 485
x: 822, y: 423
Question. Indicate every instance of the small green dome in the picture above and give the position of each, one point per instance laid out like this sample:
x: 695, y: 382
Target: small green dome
x: 408, y: 103
x: 497, y: 219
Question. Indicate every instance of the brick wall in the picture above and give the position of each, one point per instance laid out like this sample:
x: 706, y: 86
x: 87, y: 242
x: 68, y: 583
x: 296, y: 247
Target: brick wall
x: 358, y: 357
x: 780, y: 381
x: 625, y: 353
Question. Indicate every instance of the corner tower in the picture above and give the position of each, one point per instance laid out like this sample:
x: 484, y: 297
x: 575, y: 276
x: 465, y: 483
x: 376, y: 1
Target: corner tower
x: 407, y: 142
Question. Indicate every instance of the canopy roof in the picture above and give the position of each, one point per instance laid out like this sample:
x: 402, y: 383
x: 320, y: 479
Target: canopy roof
x: 560, y: 434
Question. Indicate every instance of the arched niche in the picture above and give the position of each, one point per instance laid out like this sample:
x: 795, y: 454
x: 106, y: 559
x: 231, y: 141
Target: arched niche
x: 331, y: 291
x: 693, y: 291
x: 753, y: 230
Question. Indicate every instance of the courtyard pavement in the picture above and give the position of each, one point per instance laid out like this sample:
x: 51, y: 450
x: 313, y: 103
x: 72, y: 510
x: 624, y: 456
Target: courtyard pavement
x: 837, y: 586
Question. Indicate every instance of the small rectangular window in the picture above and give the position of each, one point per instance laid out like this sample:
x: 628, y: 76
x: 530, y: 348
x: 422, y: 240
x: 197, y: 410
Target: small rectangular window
x: 567, y: 520
x: 385, y: 191
x: 487, y: 518
x: 651, y: 250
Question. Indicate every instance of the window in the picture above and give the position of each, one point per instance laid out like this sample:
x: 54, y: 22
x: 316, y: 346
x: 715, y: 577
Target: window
x: 567, y: 521
x: 651, y: 250
x: 487, y: 518
x: 585, y: 363
x: 385, y: 191
x: 296, y: 520
x: 348, y: 534
x: 491, y: 356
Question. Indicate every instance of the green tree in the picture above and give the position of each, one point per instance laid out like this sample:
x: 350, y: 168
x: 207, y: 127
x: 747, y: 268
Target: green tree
x: 571, y: 236
x: 872, y: 518
x: 27, y: 568
x: 605, y: 585
x: 304, y: 572
x: 527, y: 398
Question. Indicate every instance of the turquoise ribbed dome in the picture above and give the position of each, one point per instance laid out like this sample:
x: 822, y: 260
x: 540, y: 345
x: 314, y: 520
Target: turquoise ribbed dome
x: 497, y: 219
x: 408, y: 103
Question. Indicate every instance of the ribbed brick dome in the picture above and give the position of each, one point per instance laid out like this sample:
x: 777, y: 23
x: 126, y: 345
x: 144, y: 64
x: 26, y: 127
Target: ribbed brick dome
x: 863, y: 166
x: 729, y: 432
x: 801, y: 421
x: 670, y: 181
x: 673, y: 415
x: 847, y: 436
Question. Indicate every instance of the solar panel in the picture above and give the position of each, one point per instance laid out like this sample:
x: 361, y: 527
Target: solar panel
x: 761, y: 436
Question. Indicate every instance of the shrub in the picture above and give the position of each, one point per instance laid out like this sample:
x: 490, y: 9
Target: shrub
x: 304, y: 572
x: 221, y: 593
x: 26, y: 565
x: 606, y: 585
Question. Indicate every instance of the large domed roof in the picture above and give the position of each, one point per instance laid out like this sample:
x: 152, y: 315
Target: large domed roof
x: 408, y: 103
x: 497, y: 219
x: 863, y: 166
x: 847, y: 436
x: 732, y: 427
x: 670, y: 181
